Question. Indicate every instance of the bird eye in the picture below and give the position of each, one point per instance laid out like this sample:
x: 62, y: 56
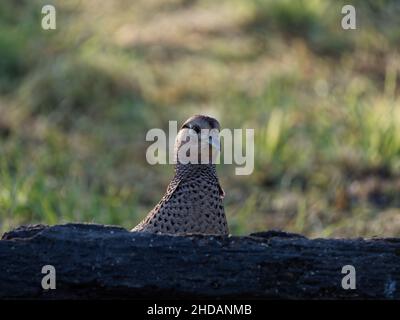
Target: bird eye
x: 196, y: 128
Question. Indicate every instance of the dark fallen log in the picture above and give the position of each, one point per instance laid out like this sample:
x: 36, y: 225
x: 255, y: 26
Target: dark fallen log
x: 94, y: 261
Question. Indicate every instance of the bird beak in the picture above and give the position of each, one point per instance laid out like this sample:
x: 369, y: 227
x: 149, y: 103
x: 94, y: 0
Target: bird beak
x: 214, y: 142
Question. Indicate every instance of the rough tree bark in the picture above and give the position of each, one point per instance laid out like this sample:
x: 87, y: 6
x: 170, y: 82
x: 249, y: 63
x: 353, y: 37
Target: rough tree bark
x: 94, y: 261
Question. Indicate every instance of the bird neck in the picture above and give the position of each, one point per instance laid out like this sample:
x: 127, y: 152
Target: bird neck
x: 181, y: 169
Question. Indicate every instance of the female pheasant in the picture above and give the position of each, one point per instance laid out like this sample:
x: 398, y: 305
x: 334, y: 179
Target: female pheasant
x: 193, y: 200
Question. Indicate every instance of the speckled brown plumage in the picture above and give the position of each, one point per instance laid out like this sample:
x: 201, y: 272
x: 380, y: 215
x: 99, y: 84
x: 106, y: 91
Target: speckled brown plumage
x: 191, y: 204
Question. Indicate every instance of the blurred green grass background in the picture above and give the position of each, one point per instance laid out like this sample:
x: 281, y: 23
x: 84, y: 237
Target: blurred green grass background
x: 76, y: 103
